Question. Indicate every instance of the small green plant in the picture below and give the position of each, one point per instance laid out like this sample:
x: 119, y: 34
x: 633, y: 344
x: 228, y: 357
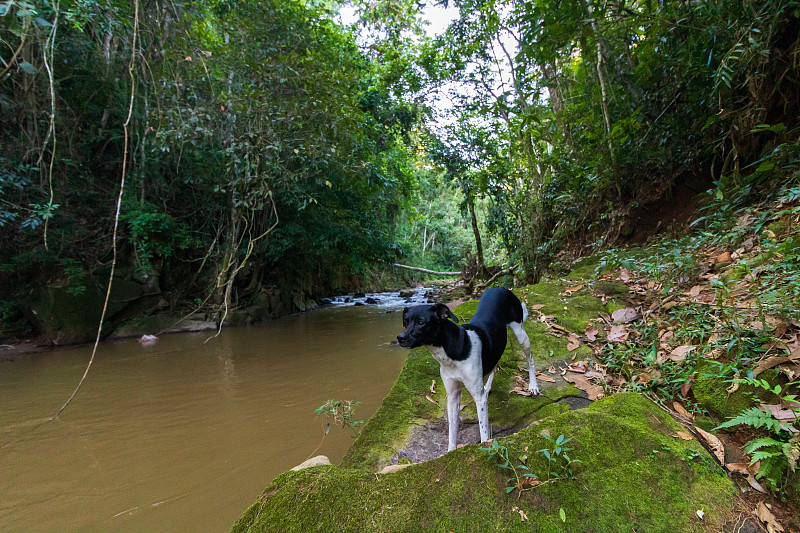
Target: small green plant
x: 341, y: 412
x: 75, y: 276
x: 780, y: 450
x: 501, y: 452
x: 559, y: 463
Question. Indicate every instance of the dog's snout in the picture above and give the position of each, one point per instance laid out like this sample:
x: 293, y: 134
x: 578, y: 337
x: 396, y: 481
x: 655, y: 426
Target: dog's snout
x: 401, y: 338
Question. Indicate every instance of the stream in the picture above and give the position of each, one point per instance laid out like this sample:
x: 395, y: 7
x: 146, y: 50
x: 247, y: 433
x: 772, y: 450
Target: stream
x: 183, y: 435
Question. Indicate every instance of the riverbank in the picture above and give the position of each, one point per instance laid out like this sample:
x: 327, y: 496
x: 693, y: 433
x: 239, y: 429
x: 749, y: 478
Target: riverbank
x: 166, y: 324
x: 68, y: 325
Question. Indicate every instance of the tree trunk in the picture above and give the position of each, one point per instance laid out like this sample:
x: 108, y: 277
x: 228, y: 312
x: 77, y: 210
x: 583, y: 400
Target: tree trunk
x: 598, y: 37
x: 476, y: 231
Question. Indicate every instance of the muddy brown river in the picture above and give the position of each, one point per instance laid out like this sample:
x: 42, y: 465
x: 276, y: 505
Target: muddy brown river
x: 182, y: 435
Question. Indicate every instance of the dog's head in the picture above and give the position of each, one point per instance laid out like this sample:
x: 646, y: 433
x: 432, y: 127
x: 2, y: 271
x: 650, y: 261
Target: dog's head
x: 422, y: 324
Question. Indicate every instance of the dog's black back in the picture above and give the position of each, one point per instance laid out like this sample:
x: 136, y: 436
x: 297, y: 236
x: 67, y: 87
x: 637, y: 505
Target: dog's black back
x: 496, y: 309
x: 430, y: 325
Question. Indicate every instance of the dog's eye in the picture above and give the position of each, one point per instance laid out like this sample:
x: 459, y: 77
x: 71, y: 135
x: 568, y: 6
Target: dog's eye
x: 420, y: 322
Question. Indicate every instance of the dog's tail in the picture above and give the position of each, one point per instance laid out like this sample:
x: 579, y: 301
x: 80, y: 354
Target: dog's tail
x: 524, y: 311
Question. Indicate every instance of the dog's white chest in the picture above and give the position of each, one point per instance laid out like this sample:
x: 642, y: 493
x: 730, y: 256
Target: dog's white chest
x: 466, y: 370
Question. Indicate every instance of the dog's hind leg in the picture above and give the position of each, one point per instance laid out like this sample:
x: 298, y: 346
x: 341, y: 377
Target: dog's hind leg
x: 488, y: 387
x: 522, y: 337
x: 453, y: 388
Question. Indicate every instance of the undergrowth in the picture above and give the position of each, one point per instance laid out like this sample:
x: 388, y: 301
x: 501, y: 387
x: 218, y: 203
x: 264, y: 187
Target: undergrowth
x: 718, y: 307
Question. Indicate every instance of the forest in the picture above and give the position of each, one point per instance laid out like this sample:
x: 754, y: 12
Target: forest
x: 214, y: 157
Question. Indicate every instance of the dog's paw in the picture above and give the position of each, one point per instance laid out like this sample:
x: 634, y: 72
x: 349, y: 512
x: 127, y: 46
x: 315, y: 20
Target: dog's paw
x: 534, y: 390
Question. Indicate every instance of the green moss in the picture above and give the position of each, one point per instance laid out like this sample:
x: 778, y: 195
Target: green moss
x: 611, y: 288
x: 633, y: 476
x: 778, y: 227
x: 711, y: 391
x: 573, y: 312
x: 585, y: 268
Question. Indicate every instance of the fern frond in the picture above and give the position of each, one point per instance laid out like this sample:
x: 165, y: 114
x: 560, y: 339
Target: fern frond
x: 763, y: 455
x: 755, y: 418
x: 756, y: 444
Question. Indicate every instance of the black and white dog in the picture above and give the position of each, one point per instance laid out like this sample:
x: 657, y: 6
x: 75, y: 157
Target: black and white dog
x: 468, y: 353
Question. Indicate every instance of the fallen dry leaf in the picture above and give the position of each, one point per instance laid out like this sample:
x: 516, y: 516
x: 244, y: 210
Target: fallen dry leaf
x: 682, y: 435
x: 695, y: 291
x: 577, y: 366
x: 751, y: 479
x: 721, y: 258
x: 765, y: 515
x: 574, y: 343
x: 714, y: 443
x: 624, y: 274
x: 433, y: 386
x: 682, y: 410
x: 624, y: 316
x: 535, y: 307
x: 434, y: 402
x: 591, y: 332
x: 770, y: 362
x: 522, y: 391
x: 779, y: 412
x: 685, y: 388
x: 595, y: 392
x: 680, y: 353
x: 575, y: 288
x: 618, y: 333
x: 545, y: 377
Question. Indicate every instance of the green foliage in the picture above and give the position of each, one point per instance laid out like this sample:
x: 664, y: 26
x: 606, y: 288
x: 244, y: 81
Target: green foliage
x: 76, y: 277
x: 264, y: 145
x: 755, y: 418
x: 640, y: 98
x: 779, y: 451
x: 155, y: 233
x: 559, y: 463
x: 342, y: 413
x: 520, y: 471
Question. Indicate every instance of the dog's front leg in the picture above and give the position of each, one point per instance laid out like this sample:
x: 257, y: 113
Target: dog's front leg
x: 453, y: 388
x: 481, y: 398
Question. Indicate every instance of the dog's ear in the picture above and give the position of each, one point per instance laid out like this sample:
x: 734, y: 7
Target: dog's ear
x: 405, y: 316
x: 444, y: 312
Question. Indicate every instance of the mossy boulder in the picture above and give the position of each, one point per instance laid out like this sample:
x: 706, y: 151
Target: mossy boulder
x: 711, y: 391
x: 62, y: 317
x: 634, y: 475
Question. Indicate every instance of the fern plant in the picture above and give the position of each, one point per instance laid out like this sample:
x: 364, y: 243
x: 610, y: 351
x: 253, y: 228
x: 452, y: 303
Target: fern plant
x: 781, y: 449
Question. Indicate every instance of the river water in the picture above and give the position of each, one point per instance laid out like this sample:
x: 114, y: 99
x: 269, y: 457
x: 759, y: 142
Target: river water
x: 184, y: 435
